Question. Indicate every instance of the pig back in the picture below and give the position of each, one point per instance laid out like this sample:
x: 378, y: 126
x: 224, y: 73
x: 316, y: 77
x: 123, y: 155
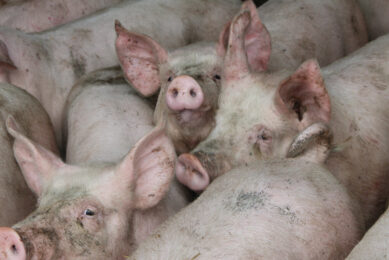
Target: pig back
x: 285, y: 209
x: 16, y: 199
x: 104, y: 118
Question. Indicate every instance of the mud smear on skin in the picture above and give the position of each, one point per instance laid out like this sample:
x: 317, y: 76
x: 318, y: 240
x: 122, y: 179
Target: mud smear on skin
x: 244, y: 201
x: 78, y: 64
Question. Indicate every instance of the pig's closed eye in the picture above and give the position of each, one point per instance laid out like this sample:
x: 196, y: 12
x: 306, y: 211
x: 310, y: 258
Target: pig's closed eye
x: 263, y: 140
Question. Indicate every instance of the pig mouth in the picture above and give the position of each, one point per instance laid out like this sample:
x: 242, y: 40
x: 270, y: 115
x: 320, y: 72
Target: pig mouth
x: 192, y: 116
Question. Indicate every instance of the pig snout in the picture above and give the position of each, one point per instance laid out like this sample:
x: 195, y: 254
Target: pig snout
x: 184, y: 93
x: 191, y: 173
x: 11, y: 245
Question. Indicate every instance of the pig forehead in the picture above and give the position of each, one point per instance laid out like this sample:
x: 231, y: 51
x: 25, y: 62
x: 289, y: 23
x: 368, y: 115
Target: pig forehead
x: 63, y: 197
x: 80, y: 178
x: 194, y: 61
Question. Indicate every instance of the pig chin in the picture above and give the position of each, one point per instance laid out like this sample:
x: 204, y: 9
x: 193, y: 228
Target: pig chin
x: 192, y: 118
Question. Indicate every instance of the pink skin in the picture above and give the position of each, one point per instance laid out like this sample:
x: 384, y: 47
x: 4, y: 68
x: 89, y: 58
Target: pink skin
x: 11, y: 246
x: 189, y: 77
x: 91, y: 212
x: 184, y: 93
x: 190, y: 172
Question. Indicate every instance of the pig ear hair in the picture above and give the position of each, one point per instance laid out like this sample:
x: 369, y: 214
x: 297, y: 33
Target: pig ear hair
x: 257, y: 40
x: 304, y: 97
x: 150, y: 166
x: 139, y: 57
x: 36, y: 162
x: 6, y: 63
x: 313, y: 143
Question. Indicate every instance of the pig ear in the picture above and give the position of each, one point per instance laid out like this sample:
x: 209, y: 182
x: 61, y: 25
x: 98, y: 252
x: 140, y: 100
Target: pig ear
x: 313, y: 143
x: 6, y: 64
x: 304, y: 97
x: 191, y: 173
x: 150, y: 166
x: 139, y: 57
x: 257, y: 40
x: 36, y: 163
x: 235, y: 62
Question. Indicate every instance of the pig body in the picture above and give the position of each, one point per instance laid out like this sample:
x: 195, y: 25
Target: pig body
x: 40, y: 15
x: 374, y: 244
x: 49, y: 63
x: 260, y: 113
x: 283, y: 209
x: 376, y: 16
x: 104, y: 118
x: 16, y: 199
x: 299, y: 30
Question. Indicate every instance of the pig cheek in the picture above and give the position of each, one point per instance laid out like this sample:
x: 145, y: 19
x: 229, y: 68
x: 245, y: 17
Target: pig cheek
x: 92, y: 224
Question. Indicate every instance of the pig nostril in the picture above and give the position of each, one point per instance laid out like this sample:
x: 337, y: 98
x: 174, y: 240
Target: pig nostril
x: 14, y: 249
x: 193, y: 93
x: 175, y: 92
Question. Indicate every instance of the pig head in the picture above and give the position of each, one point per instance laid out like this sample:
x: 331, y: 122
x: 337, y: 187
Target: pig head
x: 88, y: 212
x: 188, y: 78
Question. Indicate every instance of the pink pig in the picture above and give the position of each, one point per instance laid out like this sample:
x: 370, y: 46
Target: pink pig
x: 260, y: 113
x: 190, y: 77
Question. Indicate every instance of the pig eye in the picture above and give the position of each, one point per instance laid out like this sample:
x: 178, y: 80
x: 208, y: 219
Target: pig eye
x: 216, y: 77
x: 263, y: 136
x: 89, y: 212
x: 170, y: 79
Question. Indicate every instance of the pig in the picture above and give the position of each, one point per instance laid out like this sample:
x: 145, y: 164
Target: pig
x: 16, y: 199
x: 277, y: 209
x: 40, y: 15
x: 376, y: 16
x: 259, y: 113
x: 374, y: 244
x: 104, y: 117
x: 48, y: 64
x: 189, y: 77
x: 93, y: 210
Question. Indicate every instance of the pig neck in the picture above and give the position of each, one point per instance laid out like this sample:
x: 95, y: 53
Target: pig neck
x: 145, y: 222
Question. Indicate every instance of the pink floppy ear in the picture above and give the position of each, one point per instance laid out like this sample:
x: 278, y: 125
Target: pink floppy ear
x: 303, y: 96
x: 139, y: 57
x: 148, y: 169
x: 257, y: 40
x: 37, y: 163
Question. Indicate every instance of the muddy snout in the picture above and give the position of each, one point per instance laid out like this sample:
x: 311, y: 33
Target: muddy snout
x: 184, y: 93
x: 11, y: 245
